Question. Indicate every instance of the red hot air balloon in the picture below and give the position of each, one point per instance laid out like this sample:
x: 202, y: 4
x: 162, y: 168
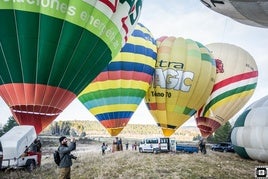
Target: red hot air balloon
x: 50, y: 51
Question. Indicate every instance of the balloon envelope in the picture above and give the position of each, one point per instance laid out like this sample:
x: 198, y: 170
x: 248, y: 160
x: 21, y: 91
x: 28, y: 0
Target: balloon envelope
x: 250, y: 131
x: 236, y: 81
x: 50, y: 51
x: 253, y: 12
x: 183, y: 79
x: 118, y: 90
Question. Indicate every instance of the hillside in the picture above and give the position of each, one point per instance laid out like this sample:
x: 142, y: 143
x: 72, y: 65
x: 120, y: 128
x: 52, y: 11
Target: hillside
x: 137, y: 131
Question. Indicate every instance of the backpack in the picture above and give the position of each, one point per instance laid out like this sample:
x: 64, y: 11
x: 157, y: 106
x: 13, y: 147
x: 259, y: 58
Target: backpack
x: 57, y: 158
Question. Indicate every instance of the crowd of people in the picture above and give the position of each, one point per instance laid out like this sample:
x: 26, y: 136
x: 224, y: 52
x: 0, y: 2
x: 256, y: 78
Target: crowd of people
x: 117, y: 145
x: 65, y: 150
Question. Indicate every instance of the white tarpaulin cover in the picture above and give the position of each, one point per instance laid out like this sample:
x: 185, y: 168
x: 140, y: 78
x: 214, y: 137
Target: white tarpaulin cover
x: 16, y: 140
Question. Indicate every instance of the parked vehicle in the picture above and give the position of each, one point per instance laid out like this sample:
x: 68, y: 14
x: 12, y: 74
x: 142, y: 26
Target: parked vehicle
x: 16, y: 148
x: 187, y: 148
x: 157, y: 144
x: 223, y: 147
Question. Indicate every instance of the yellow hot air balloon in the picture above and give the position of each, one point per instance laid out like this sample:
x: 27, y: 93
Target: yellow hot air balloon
x: 236, y: 80
x: 183, y: 80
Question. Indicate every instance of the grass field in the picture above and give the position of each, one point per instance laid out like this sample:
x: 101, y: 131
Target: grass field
x: 132, y: 164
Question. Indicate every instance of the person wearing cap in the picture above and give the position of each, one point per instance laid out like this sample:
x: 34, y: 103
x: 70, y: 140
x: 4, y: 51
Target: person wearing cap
x: 66, y: 157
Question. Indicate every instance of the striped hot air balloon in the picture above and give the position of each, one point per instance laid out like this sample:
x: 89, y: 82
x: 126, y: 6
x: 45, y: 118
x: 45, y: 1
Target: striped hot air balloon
x: 236, y: 80
x: 183, y: 79
x: 250, y: 132
x: 118, y: 90
x: 51, y: 50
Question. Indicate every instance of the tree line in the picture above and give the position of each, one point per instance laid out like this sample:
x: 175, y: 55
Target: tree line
x: 222, y: 134
x: 11, y: 122
x: 79, y: 128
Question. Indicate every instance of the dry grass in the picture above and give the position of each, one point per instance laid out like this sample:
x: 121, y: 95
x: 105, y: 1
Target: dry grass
x: 132, y: 164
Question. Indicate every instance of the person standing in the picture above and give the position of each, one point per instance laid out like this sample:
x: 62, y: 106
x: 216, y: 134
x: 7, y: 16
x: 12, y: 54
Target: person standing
x: 36, y: 145
x: 127, y: 146
x: 202, y: 145
x: 103, y: 148
x: 120, y: 144
x: 35, y: 148
x: 66, y: 157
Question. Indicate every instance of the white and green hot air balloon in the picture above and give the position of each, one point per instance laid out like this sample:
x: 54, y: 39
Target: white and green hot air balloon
x: 250, y: 131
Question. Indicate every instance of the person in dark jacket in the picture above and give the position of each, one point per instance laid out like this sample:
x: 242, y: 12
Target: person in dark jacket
x: 66, y: 157
x: 202, y: 145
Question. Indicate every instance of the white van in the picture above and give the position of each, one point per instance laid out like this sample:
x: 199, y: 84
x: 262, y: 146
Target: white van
x: 157, y: 144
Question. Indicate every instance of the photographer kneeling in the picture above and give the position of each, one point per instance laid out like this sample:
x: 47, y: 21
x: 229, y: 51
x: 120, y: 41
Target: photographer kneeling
x: 66, y: 157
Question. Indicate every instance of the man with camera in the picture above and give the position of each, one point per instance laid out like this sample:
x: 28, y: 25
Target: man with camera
x: 66, y: 157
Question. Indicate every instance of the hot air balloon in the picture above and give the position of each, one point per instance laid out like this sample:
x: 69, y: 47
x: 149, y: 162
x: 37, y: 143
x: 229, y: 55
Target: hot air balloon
x: 253, y: 12
x: 50, y: 51
x: 118, y: 90
x: 183, y: 79
x: 236, y: 81
x: 250, y: 131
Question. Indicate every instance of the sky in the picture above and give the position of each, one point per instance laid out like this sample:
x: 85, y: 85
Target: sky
x: 187, y: 19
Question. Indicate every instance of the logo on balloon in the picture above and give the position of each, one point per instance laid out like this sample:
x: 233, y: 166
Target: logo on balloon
x: 173, y: 77
x: 219, y: 66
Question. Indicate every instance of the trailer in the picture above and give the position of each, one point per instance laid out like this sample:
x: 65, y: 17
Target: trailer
x: 16, y: 148
x: 186, y: 148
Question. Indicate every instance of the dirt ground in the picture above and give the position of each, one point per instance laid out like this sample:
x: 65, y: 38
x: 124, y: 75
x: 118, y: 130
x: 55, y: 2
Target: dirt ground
x: 132, y: 164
